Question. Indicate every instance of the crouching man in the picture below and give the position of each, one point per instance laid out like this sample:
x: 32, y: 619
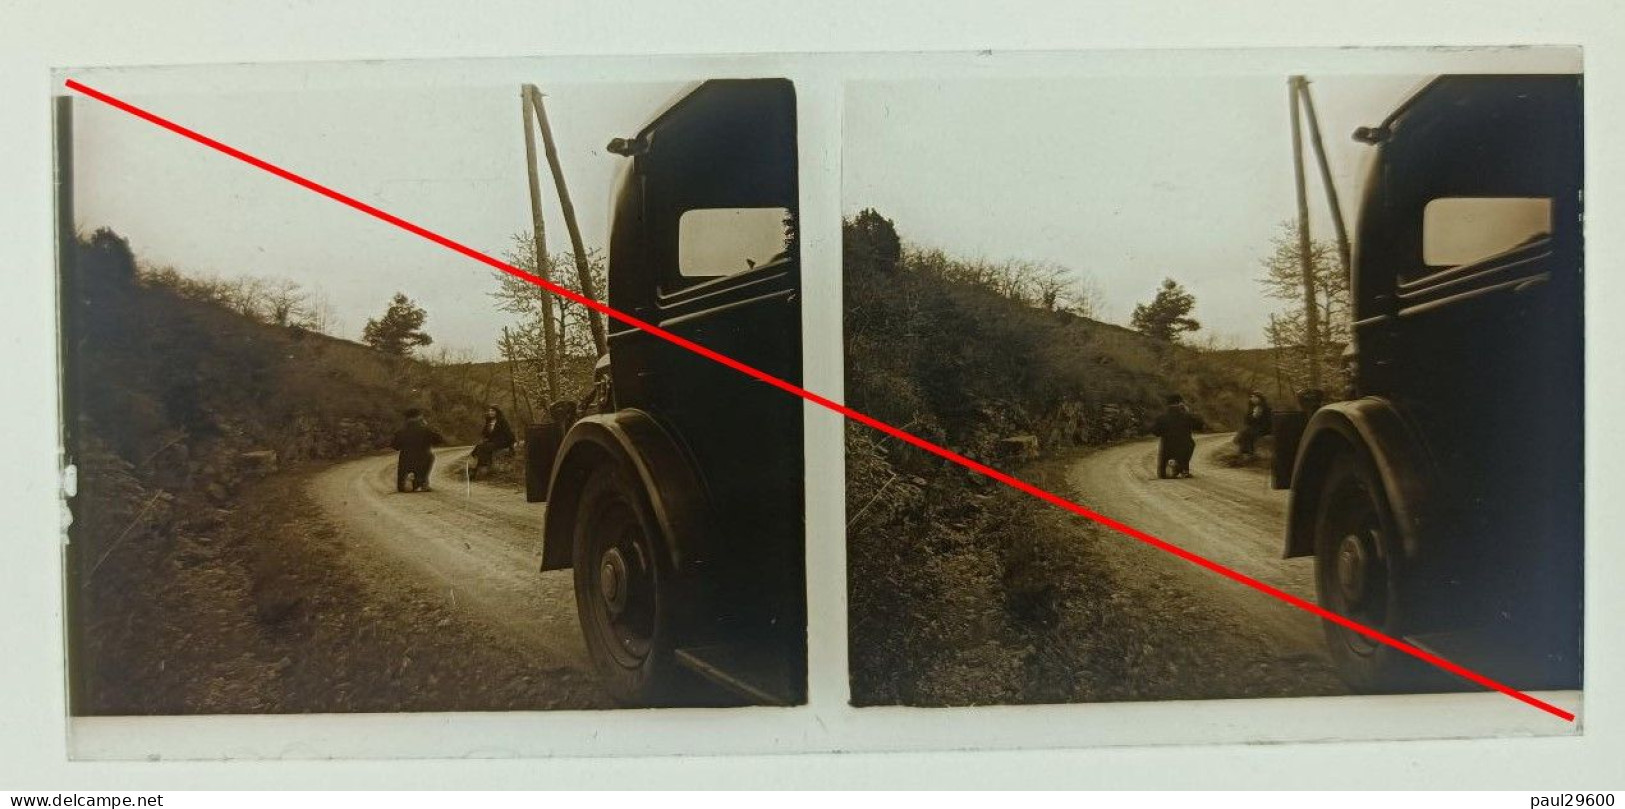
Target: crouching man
x: 1174, y: 428
x: 414, y: 441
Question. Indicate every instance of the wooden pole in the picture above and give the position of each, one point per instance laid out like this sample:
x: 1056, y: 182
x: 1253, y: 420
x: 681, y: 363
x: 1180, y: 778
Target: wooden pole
x: 1311, y: 314
x: 1275, y: 356
x: 1326, y: 178
x: 550, y: 342
x: 594, y: 320
x: 513, y: 383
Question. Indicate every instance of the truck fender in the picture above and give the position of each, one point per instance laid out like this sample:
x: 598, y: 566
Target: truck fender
x: 1374, y: 429
x: 633, y: 438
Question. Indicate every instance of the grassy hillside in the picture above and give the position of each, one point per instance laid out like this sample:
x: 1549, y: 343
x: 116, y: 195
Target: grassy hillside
x: 960, y: 589
x: 174, y: 407
x: 967, y: 365
x: 158, y: 376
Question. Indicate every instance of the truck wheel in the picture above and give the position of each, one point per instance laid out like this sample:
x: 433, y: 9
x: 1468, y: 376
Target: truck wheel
x: 623, y: 587
x: 1356, y: 576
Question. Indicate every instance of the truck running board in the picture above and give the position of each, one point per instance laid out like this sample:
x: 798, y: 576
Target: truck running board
x: 762, y: 678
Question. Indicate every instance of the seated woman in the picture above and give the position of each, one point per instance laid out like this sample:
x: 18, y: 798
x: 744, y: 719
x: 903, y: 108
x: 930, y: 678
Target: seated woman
x: 495, y: 436
x: 1255, y: 424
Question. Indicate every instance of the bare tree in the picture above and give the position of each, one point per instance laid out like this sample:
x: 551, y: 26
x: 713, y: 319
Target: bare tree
x: 247, y: 297
x: 1085, y: 298
x: 324, y: 317
x: 1284, y: 280
x: 525, y: 343
x: 286, y: 303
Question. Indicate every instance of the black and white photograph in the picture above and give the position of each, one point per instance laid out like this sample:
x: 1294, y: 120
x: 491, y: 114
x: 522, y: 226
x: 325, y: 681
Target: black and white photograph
x: 324, y: 466
x: 1323, y: 330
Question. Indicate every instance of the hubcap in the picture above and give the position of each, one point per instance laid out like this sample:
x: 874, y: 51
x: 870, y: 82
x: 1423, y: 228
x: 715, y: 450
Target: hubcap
x: 1354, y: 579
x: 612, y: 581
x: 620, y: 583
x: 1352, y: 559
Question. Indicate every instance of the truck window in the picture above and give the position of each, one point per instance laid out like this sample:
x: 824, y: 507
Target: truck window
x: 713, y: 242
x: 1467, y: 230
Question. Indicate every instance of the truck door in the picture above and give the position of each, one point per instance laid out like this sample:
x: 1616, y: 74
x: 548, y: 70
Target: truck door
x: 719, y: 199
x: 1484, y: 345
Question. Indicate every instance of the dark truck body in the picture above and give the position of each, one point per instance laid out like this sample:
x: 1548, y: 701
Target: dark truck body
x: 1444, y: 501
x: 688, y: 552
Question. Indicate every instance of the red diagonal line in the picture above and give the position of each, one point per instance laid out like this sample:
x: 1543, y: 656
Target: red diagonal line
x: 822, y: 401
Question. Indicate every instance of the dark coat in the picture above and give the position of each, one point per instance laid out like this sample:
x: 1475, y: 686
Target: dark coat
x: 497, y: 433
x: 415, y: 439
x: 1175, y: 426
x: 1257, y: 418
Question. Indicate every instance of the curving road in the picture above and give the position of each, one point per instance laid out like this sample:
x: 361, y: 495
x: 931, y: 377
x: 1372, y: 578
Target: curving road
x: 479, y: 544
x: 1230, y: 516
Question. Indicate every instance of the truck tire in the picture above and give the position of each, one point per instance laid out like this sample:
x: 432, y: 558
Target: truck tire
x: 1357, y: 576
x: 623, y: 587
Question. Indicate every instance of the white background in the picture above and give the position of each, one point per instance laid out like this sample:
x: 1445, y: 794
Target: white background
x: 33, y: 746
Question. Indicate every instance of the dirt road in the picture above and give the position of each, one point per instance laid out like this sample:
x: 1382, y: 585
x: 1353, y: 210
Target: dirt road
x: 478, y: 544
x: 1228, y: 515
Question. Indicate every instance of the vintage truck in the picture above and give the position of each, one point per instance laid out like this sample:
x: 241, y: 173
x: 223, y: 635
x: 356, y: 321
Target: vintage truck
x: 1443, y: 503
x: 675, y: 490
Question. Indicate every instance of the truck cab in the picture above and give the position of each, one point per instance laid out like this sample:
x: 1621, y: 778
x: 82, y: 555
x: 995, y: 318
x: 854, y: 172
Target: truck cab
x: 677, y: 496
x: 1443, y: 503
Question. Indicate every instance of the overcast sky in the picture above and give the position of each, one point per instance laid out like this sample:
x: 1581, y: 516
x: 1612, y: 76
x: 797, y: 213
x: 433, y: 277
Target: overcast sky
x: 449, y: 159
x: 1127, y: 180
